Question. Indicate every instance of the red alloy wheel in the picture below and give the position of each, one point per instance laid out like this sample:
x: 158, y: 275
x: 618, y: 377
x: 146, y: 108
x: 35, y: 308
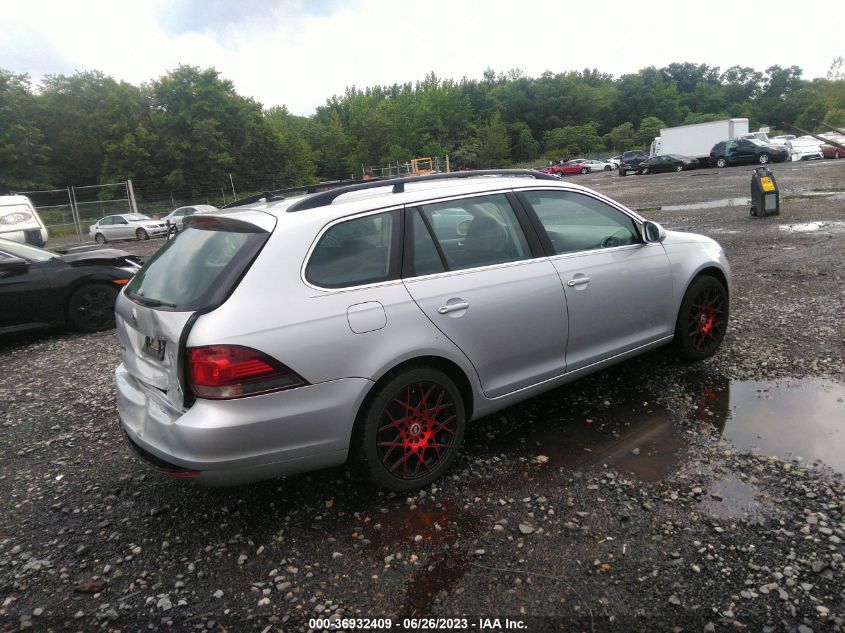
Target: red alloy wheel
x: 707, y: 319
x: 417, y: 430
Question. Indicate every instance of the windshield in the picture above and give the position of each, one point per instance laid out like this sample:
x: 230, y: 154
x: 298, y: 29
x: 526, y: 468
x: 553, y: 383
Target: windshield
x: 25, y: 251
x: 196, y: 269
x: 758, y: 142
x: 136, y: 217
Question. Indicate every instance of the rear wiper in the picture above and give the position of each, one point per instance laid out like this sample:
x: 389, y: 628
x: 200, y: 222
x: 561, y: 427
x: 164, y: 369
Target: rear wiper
x: 153, y: 303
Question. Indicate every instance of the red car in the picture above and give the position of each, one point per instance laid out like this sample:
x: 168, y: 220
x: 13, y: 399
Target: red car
x: 570, y: 167
x: 831, y: 151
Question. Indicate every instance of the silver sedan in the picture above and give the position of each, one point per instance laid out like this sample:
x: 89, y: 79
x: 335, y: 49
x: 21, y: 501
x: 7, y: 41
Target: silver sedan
x: 372, y: 322
x: 126, y: 226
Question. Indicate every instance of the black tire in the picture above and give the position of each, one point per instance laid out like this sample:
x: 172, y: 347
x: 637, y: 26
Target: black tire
x: 763, y: 159
x: 607, y: 167
x: 702, y: 319
x: 679, y: 168
x: 141, y: 234
x: 585, y: 170
x: 721, y: 162
x: 429, y: 441
x: 642, y: 170
x: 622, y: 172
x: 100, y: 238
x: 90, y: 308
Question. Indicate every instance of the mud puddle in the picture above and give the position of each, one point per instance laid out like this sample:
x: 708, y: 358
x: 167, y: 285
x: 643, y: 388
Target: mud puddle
x: 791, y: 419
x: 799, y: 418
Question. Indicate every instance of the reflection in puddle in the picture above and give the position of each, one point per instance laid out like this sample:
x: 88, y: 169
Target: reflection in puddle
x: 732, y: 498
x: 797, y: 418
x: 803, y: 418
x: 637, y: 437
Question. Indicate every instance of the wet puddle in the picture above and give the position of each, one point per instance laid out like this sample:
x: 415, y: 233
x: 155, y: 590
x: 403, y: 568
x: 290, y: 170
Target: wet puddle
x: 710, y: 204
x: 732, y: 498
x: 800, y: 418
x: 788, y: 419
x: 812, y: 227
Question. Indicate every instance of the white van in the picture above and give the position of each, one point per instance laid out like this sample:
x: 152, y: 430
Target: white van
x: 19, y: 221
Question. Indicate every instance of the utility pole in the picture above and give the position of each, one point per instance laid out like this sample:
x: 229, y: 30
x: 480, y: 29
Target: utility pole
x: 232, y: 182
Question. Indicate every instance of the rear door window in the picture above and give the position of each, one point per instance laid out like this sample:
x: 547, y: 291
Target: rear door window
x: 356, y: 252
x: 479, y: 231
x: 576, y: 222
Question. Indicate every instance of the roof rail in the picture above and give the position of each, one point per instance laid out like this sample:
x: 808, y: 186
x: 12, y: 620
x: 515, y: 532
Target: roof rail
x: 324, y: 198
x: 279, y: 194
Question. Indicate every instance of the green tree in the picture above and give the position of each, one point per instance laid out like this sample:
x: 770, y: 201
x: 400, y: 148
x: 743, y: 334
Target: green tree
x: 621, y: 138
x: 24, y: 155
x: 493, y: 143
x: 649, y: 129
x: 523, y: 144
x: 572, y: 140
x: 82, y: 115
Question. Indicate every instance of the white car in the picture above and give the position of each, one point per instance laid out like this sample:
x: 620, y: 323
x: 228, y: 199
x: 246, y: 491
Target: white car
x: 176, y: 217
x: 801, y: 149
x: 126, y: 226
x: 598, y: 165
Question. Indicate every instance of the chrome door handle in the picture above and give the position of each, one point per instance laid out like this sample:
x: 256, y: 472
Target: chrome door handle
x: 453, y: 307
x: 578, y: 281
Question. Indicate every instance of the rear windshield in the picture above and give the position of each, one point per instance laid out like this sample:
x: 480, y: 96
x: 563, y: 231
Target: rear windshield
x: 197, y: 269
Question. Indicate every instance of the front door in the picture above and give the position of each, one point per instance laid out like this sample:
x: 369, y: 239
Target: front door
x: 618, y: 289
x: 472, y: 272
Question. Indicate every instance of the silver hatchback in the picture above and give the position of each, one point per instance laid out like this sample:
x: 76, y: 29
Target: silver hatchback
x: 375, y: 320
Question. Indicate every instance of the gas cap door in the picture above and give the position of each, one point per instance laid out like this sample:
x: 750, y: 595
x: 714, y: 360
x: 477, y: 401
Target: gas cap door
x: 366, y: 317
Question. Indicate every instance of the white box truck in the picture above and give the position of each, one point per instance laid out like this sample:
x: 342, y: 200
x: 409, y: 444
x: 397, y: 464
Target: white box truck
x: 696, y: 140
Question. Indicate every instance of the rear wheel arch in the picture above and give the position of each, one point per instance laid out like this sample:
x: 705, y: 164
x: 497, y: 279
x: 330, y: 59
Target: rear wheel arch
x: 364, y: 455
x: 448, y: 367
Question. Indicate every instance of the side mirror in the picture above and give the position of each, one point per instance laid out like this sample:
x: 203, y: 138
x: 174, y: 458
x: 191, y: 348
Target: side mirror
x: 13, y: 266
x: 653, y: 232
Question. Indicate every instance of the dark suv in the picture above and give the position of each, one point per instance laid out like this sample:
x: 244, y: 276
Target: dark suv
x: 631, y: 161
x: 746, y: 150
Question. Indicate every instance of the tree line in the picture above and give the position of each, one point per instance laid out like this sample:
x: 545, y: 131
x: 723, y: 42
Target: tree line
x: 188, y: 130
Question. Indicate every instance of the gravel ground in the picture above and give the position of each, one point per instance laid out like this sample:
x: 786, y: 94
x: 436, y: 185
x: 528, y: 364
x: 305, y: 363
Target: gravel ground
x: 613, y: 504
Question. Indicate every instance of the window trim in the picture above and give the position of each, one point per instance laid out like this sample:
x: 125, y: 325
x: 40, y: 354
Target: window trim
x: 532, y: 240
x: 396, y: 255
x: 544, y: 236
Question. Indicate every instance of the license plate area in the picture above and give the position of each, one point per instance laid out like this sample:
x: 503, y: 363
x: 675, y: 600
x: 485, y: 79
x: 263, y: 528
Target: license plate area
x: 154, y: 347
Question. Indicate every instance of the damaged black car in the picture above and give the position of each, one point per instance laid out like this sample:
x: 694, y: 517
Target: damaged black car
x: 40, y: 288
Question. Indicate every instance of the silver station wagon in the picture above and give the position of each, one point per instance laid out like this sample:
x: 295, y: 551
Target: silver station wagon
x: 371, y: 322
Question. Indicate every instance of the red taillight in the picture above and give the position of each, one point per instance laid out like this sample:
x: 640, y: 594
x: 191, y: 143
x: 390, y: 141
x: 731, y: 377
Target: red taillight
x: 231, y: 371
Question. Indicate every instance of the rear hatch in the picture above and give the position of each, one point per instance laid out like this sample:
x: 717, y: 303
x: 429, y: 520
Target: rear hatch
x: 191, y: 275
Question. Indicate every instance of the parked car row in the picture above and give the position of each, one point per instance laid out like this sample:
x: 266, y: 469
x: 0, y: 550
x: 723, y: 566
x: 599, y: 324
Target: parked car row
x: 127, y: 226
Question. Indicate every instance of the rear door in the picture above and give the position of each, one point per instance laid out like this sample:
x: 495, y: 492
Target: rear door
x: 618, y: 289
x: 154, y: 310
x: 471, y: 269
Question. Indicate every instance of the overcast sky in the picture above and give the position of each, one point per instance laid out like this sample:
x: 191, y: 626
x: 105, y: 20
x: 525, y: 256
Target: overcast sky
x: 299, y: 53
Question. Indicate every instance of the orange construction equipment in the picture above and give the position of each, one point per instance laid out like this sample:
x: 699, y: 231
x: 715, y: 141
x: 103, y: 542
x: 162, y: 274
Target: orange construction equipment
x: 422, y: 166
